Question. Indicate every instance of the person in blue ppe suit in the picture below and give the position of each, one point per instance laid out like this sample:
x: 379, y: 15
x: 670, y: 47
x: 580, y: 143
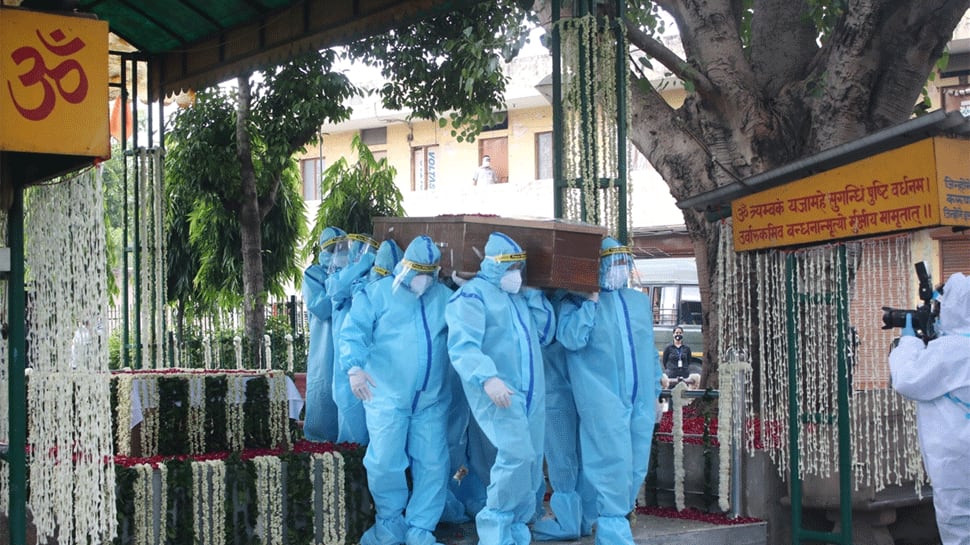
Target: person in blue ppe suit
x: 495, y: 337
x: 562, y: 449
x: 394, y: 355
x: 937, y: 376
x: 388, y: 255
x: 320, y: 419
x: 470, y: 452
x: 341, y: 284
x: 615, y: 374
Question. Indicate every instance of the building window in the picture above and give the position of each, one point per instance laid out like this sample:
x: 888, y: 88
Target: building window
x: 424, y: 168
x: 374, y: 137
x: 502, y: 125
x: 312, y: 171
x: 497, y: 150
x: 543, y: 156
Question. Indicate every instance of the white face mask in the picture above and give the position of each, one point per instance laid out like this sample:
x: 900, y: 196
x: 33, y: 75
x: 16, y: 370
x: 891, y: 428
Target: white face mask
x: 617, y: 277
x: 511, y: 281
x: 420, y: 284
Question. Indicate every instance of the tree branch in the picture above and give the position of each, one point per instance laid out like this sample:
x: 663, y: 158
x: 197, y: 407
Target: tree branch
x: 670, y: 60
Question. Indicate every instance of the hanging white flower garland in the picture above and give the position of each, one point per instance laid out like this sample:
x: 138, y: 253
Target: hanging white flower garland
x: 884, y: 443
x: 678, y: 402
x: 208, y: 501
x: 328, y: 477
x: 289, y: 353
x: 269, y: 500
x: 69, y: 422
x: 591, y: 119
x: 727, y: 434
x: 196, y: 422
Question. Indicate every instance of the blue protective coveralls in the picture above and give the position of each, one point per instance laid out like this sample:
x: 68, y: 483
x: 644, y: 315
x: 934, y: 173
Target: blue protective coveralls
x: 361, y: 250
x: 937, y: 377
x: 498, y: 333
x: 399, y: 340
x: 615, y: 374
x: 320, y: 419
x: 562, y: 450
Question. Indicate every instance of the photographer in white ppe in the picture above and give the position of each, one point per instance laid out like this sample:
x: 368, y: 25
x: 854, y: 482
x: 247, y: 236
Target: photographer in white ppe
x: 937, y: 376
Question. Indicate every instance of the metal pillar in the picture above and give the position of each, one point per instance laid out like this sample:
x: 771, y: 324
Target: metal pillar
x: 589, y: 113
x: 800, y: 534
x: 16, y: 454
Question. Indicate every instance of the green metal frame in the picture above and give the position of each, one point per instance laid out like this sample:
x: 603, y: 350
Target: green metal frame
x: 16, y: 454
x: 795, y: 419
x: 560, y: 184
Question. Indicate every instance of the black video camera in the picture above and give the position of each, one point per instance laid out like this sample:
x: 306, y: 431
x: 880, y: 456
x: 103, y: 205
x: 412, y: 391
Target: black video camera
x: 924, y: 316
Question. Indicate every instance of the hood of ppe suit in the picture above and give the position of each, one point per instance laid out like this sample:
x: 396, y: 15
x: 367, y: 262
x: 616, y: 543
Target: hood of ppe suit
x: 612, y: 253
x: 955, y: 305
x: 328, y: 238
x: 421, y: 251
x: 498, y: 251
x: 388, y: 256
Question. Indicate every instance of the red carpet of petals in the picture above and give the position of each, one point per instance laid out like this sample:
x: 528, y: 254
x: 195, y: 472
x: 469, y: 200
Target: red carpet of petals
x: 693, y: 514
x: 694, y: 429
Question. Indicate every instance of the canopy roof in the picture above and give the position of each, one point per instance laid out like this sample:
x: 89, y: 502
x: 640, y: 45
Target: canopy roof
x: 195, y: 43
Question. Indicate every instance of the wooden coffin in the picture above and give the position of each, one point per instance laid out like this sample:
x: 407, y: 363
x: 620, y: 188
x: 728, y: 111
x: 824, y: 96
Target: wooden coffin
x: 561, y: 254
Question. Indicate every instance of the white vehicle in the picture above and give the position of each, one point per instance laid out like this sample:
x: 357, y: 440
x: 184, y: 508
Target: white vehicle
x: 671, y: 283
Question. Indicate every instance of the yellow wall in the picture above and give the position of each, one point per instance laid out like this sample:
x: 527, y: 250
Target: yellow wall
x: 457, y: 160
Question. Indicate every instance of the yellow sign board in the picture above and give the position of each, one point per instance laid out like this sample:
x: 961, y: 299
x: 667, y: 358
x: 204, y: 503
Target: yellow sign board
x: 923, y: 184
x: 53, y: 84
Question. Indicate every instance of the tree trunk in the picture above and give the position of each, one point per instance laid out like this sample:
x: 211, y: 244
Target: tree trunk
x: 787, y: 99
x: 254, y: 293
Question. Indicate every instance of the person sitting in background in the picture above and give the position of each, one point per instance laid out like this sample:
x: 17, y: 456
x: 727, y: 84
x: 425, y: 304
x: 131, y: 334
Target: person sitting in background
x: 678, y: 363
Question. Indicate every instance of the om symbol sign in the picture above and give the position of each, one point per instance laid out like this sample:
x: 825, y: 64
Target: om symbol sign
x: 39, y: 74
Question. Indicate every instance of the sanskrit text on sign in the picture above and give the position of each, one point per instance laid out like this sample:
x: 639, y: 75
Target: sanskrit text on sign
x: 893, y: 191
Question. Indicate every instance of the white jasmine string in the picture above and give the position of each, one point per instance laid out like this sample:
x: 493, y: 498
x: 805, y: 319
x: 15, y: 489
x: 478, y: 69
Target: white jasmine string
x: 72, y: 488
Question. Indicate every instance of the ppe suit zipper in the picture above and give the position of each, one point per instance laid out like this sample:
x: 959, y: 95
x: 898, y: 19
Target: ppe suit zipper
x: 427, y: 365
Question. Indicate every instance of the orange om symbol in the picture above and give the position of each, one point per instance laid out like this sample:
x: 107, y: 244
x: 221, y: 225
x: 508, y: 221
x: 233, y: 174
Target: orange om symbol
x: 40, y: 74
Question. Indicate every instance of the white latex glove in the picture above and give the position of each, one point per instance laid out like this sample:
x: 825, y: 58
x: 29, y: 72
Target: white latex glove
x: 498, y: 392
x: 594, y: 297
x: 665, y: 382
x: 360, y: 383
x: 693, y: 381
x: 459, y: 281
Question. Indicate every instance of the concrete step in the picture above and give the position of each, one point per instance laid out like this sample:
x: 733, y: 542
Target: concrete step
x: 647, y: 530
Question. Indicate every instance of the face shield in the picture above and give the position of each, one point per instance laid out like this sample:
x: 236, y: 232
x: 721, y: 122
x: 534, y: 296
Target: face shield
x: 327, y: 250
x: 416, y: 277
x: 359, y: 247
x: 615, y: 266
x: 340, y: 255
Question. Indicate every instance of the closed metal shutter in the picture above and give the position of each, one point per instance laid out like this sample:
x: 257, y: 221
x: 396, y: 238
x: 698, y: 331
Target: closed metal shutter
x: 955, y: 257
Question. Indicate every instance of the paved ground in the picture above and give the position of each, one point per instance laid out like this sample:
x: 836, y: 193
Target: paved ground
x: 647, y: 530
